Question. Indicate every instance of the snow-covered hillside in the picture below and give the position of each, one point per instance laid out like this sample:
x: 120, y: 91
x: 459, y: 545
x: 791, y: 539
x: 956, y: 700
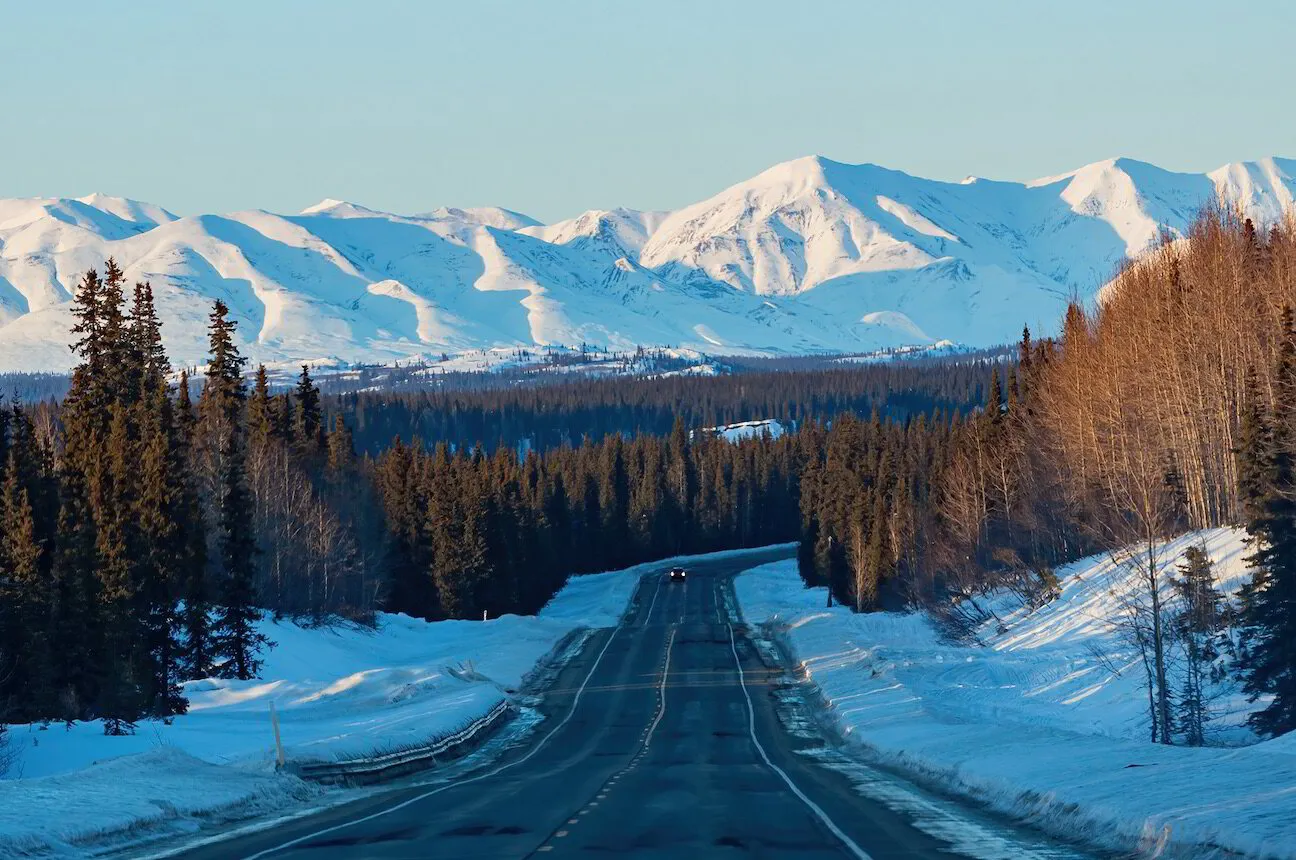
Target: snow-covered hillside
x: 1046, y: 718
x: 811, y: 255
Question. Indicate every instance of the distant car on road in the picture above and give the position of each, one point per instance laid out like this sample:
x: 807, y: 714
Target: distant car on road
x: 678, y: 574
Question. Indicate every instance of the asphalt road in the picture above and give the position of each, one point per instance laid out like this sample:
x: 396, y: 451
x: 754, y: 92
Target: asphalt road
x: 662, y: 739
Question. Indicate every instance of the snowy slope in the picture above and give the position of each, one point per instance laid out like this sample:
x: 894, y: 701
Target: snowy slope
x: 810, y: 255
x: 1047, y: 719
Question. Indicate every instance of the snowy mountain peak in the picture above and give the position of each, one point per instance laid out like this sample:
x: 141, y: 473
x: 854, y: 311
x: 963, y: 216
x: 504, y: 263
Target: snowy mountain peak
x: 806, y: 171
x: 859, y: 256
x: 340, y: 209
x: 96, y: 213
x: 619, y: 232
x: 1264, y: 187
x: 324, y: 205
x: 126, y: 209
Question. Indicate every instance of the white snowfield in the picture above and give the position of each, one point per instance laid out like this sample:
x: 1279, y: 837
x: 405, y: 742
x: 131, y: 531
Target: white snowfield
x: 340, y: 693
x: 810, y: 255
x: 745, y: 430
x: 1036, y: 722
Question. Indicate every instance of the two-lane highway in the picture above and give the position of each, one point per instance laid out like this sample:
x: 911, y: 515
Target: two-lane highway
x: 661, y: 740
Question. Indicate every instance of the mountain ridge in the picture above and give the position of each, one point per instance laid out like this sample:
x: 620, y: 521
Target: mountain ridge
x: 809, y: 255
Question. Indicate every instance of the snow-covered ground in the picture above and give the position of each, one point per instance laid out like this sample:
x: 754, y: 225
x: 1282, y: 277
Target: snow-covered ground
x: 1047, y: 718
x: 746, y: 430
x: 340, y: 692
x: 346, y: 691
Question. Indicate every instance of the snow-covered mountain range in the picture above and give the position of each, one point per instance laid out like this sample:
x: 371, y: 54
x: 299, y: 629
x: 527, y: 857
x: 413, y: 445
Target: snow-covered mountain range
x: 811, y: 255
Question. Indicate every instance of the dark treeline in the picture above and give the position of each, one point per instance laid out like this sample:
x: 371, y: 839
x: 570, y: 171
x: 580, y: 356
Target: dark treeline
x: 496, y: 533
x: 565, y: 413
x: 34, y: 387
x: 866, y: 507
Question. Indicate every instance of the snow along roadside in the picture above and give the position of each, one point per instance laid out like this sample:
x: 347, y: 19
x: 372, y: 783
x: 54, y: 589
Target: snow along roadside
x: 961, y: 717
x: 342, y: 693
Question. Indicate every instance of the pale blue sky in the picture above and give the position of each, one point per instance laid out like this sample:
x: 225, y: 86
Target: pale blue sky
x: 554, y: 107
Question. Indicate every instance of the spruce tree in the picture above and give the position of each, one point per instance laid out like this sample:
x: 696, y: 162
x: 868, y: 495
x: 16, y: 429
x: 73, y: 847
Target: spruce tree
x: 236, y: 640
x: 994, y: 399
x: 123, y: 671
x: 74, y: 589
x: 146, y: 339
x: 341, y: 448
x: 158, y: 517
x: 1255, y: 450
x: 235, y: 635
x: 25, y: 602
x: 410, y: 589
x: 445, y: 499
x: 260, y: 417
x: 185, y: 417
x: 163, y: 558
x: 308, y: 426
x: 1270, y: 605
x: 460, y: 527
x: 614, y: 502
x: 682, y: 484
x: 557, y: 516
x: 197, y: 653
x: 877, y: 559
x: 1195, y: 625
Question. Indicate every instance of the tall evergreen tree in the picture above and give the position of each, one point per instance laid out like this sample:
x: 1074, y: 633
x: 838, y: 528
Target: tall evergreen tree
x: 25, y: 602
x: 1270, y: 610
x: 341, y: 448
x: 236, y: 640
x: 75, y: 597
x: 994, y: 400
x: 260, y: 412
x: 308, y: 427
x: 1255, y: 450
x: 123, y: 672
x: 1195, y: 626
x: 164, y: 550
x: 235, y: 635
x: 198, y: 656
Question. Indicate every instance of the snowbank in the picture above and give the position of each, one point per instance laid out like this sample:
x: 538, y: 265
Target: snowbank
x: 340, y: 692
x: 745, y: 430
x: 61, y: 815
x: 1047, y: 719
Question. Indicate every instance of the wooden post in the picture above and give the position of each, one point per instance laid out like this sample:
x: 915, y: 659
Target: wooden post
x: 274, y: 721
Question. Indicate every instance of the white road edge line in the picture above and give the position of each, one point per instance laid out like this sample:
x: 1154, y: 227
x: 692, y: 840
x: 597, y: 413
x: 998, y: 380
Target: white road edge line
x: 751, y: 729
x: 425, y: 795
x: 648, y: 614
